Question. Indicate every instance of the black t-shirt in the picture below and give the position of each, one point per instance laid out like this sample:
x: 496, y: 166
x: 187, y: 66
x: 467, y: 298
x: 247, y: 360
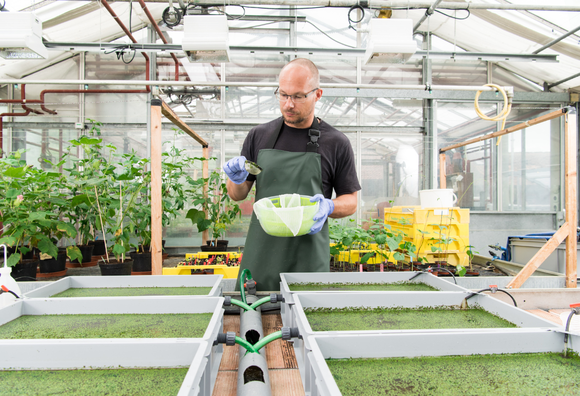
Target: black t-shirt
x: 337, y: 157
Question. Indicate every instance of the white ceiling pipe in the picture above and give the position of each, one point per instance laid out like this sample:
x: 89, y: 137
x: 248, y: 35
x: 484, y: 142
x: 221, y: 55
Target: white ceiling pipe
x: 242, y: 84
x: 404, y: 4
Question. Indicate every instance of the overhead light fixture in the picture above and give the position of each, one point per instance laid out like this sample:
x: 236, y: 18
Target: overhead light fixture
x: 21, y: 36
x: 390, y: 41
x: 205, y: 38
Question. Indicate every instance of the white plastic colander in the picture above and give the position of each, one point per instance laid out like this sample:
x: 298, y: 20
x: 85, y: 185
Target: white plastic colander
x: 286, y: 215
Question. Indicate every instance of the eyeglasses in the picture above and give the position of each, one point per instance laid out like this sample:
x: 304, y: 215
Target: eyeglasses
x: 282, y: 97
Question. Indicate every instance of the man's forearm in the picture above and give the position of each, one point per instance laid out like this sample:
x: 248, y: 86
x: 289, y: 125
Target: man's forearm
x: 239, y: 192
x: 344, y: 205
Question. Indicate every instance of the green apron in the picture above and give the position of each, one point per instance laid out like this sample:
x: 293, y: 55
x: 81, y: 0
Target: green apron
x: 286, y: 172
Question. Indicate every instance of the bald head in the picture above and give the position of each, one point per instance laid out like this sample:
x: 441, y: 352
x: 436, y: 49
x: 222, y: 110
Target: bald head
x: 308, y: 68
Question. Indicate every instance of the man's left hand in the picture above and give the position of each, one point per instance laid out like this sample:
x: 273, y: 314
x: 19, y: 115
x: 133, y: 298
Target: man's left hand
x: 325, y: 208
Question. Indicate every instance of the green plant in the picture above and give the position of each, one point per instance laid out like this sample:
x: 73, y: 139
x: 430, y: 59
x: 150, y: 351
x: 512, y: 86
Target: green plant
x: 26, y: 209
x: 214, y: 202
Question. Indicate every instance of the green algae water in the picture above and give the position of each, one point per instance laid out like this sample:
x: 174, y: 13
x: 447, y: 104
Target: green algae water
x: 335, y: 319
x: 509, y: 374
x: 166, y: 381
x: 132, y: 291
x: 106, y: 326
x: 395, y: 286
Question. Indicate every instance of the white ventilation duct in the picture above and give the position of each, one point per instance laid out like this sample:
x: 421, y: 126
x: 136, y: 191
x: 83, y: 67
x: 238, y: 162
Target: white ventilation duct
x: 21, y: 36
x: 390, y: 41
x: 205, y: 38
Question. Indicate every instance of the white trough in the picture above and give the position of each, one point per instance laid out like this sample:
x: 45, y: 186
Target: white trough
x: 318, y: 379
x: 69, y: 282
x: 69, y: 353
x: 287, y: 279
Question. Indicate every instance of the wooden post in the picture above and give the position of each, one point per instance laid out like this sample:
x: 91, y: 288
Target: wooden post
x: 570, y: 145
x: 442, y: 175
x: 156, y: 208
x: 539, y: 257
x: 205, y: 175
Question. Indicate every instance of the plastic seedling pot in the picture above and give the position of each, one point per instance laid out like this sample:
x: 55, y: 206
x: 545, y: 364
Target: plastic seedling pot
x: 318, y: 379
x: 120, y: 305
x: 287, y: 279
x: 119, y: 282
x: 115, y: 354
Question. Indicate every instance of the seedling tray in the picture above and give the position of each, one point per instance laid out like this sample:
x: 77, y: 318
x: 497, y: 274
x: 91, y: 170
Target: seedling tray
x: 87, y: 356
x: 127, y: 282
x: 287, y: 279
x: 303, y: 301
x: 318, y: 379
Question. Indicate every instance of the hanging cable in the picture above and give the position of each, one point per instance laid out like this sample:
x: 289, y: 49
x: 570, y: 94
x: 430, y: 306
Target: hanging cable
x: 502, y: 116
x: 455, y: 17
x: 350, y: 20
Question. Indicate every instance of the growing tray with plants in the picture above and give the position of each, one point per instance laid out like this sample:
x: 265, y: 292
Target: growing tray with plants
x: 126, y: 286
x: 320, y: 313
x: 99, y: 367
x: 525, y: 362
x: 356, y: 282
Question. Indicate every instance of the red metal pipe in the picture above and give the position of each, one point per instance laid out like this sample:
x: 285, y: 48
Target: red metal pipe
x: 161, y: 35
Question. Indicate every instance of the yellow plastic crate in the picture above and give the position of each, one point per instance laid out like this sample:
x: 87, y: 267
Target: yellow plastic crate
x: 415, y: 231
x: 418, y: 215
x: 356, y: 255
x: 227, y: 272
x: 206, y: 255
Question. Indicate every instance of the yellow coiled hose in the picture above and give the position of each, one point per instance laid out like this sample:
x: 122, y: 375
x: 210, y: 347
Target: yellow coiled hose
x: 502, y: 116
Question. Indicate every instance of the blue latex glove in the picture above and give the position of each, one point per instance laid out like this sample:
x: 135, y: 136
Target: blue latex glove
x: 325, y: 208
x: 236, y: 169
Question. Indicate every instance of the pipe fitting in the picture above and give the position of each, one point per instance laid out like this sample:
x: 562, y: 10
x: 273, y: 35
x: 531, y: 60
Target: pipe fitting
x: 227, y: 301
x: 228, y: 338
x: 290, y: 332
x: 274, y: 298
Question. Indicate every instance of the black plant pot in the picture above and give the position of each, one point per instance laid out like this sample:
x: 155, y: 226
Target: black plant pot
x: 99, y: 249
x: 147, y: 248
x: 141, y: 262
x: 53, y: 264
x: 25, y: 270
x: 211, y: 246
x: 27, y: 256
x: 115, y: 268
x: 87, y: 252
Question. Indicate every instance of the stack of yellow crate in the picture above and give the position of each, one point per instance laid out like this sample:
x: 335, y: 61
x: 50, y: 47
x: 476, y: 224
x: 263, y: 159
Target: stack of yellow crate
x: 439, y: 234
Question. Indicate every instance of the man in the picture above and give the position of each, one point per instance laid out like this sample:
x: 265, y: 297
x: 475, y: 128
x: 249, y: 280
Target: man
x: 300, y: 154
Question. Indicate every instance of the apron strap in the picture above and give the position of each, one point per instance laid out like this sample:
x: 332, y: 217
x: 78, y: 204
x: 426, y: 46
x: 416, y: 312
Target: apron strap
x: 313, y: 133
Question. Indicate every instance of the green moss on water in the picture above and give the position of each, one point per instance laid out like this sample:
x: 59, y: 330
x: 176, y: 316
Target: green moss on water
x: 106, y: 326
x: 133, y: 291
x: 510, y: 374
x: 334, y: 319
x: 395, y: 286
x: 166, y: 381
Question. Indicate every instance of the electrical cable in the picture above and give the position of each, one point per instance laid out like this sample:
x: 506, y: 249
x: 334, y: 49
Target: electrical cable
x: 230, y: 15
x: 502, y: 116
x: 453, y: 17
x: 166, y: 16
x: 130, y: 15
x: 350, y: 20
x: 336, y: 41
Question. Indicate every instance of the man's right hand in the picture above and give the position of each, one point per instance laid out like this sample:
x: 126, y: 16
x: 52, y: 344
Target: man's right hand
x: 236, y: 169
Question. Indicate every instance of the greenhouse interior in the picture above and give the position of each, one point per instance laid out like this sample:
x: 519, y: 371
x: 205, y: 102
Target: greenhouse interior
x: 263, y: 173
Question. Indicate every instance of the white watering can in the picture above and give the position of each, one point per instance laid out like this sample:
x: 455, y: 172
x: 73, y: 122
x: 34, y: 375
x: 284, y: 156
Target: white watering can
x: 7, y: 282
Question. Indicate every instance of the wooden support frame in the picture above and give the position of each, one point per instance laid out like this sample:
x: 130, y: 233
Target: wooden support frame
x: 159, y: 108
x: 568, y: 230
